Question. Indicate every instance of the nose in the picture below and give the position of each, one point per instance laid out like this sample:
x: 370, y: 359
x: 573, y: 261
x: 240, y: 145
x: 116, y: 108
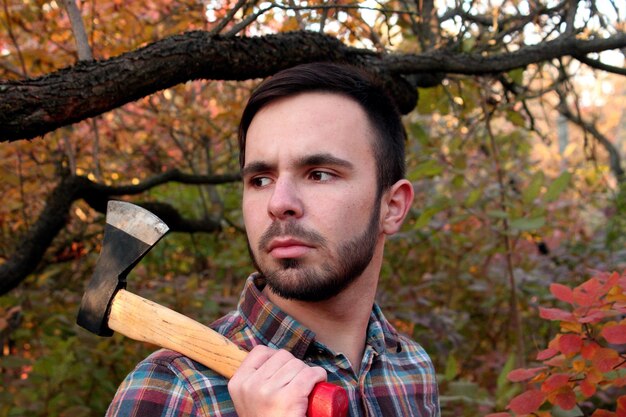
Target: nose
x: 285, y: 201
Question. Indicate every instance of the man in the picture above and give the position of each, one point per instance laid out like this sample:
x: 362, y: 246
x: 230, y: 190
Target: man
x: 322, y: 160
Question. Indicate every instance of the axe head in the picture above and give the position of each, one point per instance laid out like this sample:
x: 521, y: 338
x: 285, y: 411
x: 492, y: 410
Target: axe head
x: 130, y: 232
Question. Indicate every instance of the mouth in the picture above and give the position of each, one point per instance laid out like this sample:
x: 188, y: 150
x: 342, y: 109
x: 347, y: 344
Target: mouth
x: 288, y: 248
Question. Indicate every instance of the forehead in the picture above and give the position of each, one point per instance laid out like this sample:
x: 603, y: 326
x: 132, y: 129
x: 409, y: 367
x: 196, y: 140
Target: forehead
x: 311, y: 122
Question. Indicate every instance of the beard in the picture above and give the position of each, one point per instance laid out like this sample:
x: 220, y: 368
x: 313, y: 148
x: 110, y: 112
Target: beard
x: 294, y: 280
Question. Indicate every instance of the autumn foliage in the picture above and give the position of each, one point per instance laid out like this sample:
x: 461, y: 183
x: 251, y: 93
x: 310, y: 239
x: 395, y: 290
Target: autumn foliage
x: 585, y: 357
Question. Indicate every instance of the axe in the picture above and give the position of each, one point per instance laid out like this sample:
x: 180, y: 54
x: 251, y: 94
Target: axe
x: 130, y: 232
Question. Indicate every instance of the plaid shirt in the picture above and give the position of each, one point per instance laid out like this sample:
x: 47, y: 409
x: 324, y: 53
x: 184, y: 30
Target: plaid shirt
x: 396, y: 376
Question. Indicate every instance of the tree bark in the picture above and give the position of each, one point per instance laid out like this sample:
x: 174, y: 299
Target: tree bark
x: 33, y: 107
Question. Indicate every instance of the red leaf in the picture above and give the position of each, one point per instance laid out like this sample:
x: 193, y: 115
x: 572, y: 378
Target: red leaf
x: 523, y: 374
x: 554, y: 382
x: 499, y: 415
x: 621, y: 406
x: 603, y: 413
x: 588, y: 293
x: 563, y: 293
x: 527, y: 402
x: 605, y: 359
x: 587, y: 388
x: 615, y: 334
x: 593, y: 315
x: 589, y: 350
x: 546, y: 354
x: 556, y: 362
x: 566, y: 399
x: 570, y: 343
x: 555, y: 314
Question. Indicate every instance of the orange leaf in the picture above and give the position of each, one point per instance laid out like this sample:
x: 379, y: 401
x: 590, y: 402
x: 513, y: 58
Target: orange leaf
x: 523, y: 374
x: 563, y: 293
x: 615, y: 334
x: 499, y: 415
x: 527, y: 402
x: 570, y: 343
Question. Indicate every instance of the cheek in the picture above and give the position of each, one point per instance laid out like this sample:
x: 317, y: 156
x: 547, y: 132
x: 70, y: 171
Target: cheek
x: 251, y: 220
x: 343, y: 218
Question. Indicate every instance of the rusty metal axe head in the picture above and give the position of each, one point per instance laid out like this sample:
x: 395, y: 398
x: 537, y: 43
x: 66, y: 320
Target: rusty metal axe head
x: 130, y: 232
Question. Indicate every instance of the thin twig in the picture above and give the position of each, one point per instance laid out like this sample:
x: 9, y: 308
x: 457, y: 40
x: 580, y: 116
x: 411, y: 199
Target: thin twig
x: 78, y: 29
x: 228, y: 18
x: 14, y: 39
x: 513, y: 303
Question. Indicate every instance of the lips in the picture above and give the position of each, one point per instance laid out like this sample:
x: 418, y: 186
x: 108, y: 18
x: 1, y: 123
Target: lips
x: 288, y: 248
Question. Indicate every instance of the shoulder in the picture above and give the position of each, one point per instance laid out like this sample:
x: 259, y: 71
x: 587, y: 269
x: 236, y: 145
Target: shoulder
x: 168, y: 383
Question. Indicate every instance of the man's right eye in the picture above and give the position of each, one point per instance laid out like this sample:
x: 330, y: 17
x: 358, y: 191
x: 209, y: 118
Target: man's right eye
x: 260, y: 181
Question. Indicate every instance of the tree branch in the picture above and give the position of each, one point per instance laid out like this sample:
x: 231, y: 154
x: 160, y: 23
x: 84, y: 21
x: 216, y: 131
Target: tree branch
x: 597, y: 64
x: 615, y: 160
x: 33, y: 107
x: 32, y: 247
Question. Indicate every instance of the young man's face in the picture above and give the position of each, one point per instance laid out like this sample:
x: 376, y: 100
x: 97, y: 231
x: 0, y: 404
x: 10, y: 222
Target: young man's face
x: 309, y: 200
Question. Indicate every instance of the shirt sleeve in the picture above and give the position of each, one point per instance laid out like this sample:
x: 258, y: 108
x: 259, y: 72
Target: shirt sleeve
x: 153, y: 390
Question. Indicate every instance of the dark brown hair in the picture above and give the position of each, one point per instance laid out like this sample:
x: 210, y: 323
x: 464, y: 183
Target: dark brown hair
x: 352, y: 83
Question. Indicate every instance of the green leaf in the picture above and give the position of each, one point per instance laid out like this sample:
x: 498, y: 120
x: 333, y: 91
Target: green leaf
x: 426, y: 215
x: 498, y: 214
x: 452, y: 368
x: 516, y: 118
x: 534, y: 188
x: 473, y: 197
x: 433, y: 99
x: 557, y: 187
x: 502, y: 381
x: 517, y: 75
x: 416, y: 130
x: 527, y: 223
x: 426, y: 169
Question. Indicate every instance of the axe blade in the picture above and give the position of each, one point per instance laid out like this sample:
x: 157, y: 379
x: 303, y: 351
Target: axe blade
x: 130, y: 232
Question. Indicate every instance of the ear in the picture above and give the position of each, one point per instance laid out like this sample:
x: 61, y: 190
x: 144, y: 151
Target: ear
x: 395, y: 206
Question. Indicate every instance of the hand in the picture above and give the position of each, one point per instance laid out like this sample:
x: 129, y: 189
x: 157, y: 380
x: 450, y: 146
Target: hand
x: 273, y: 383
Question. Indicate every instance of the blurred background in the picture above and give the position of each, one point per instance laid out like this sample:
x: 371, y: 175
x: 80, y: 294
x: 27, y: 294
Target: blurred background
x: 517, y: 171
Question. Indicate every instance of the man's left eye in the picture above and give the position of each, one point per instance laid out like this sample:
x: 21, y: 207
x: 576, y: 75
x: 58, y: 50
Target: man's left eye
x: 321, y: 176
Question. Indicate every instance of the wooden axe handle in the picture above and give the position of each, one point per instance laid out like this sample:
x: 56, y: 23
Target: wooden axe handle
x: 146, y: 321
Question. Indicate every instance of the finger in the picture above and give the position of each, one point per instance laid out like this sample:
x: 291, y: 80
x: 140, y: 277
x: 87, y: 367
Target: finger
x: 287, y: 372
x: 252, y: 362
x: 305, y: 380
x: 257, y: 357
x: 280, y: 361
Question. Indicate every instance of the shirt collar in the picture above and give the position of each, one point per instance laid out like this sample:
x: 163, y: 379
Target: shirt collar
x: 381, y: 334
x: 278, y: 330
x: 269, y: 323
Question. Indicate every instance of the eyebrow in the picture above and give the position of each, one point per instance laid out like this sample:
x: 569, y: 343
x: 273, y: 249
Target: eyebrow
x: 255, y: 167
x: 323, y: 159
x: 318, y: 159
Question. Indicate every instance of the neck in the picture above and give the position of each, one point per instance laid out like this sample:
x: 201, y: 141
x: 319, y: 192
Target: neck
x: 341, y: 322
